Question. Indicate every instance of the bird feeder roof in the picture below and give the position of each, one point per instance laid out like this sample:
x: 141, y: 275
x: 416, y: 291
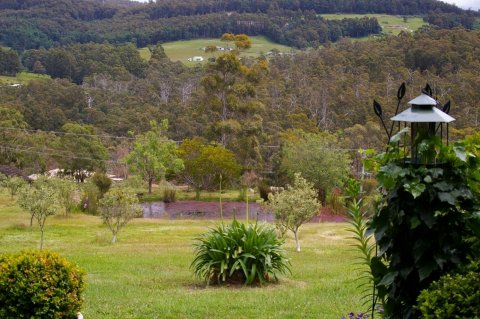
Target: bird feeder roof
x: 423, y: 110
x: 431, y: 115
x: 423, y: 99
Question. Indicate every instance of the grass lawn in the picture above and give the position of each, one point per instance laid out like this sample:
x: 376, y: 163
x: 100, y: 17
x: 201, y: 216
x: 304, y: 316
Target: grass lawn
x: 390, y: 24
x: 22, y: 78
x: 182, y: 50
x: 231, y: 195
x: 146, y: 273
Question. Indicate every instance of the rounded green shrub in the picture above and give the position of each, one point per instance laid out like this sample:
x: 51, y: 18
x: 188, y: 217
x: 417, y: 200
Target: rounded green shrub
x: 39, y: 285
x: 453, y: 296
x: 239, y: 253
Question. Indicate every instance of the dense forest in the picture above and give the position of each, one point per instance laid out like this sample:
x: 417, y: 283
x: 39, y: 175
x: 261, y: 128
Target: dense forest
x: 100, y: 92
x: 245, y: 104
x: 42, y: 24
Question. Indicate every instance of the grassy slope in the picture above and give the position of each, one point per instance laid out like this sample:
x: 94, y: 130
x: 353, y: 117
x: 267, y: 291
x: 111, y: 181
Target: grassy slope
x: 146, y: 274
x: 182, y: 50
x: 22, y: 78
x: 390, y: 24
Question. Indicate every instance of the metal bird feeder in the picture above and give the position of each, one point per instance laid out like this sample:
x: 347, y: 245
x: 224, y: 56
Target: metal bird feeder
x: 423, y: 116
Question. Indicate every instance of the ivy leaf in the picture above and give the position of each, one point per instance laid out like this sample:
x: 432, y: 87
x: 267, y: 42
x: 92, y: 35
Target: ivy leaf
x: 428, y: 179
x: 426, y: 270
x: 446, y: 197
x: 443, y: 186
x: 414, y: 222
x: 388, y: 278
x: 415, y: 188
x: 397, y: 137
x: 460, y: 152
x: 436, y: 172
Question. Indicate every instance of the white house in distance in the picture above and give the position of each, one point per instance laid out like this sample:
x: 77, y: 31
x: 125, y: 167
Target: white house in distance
x: 196, y: 59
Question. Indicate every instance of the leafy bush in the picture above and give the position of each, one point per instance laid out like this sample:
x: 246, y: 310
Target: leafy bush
x: 242, y: 194
x: 90, y: 197
x: 453, y: 296
x: 169, y: 195
x: 264, y: 190
x: 335, y: 202
x: 240, y: 253
x: 102, y: 181
x: 39, y: 285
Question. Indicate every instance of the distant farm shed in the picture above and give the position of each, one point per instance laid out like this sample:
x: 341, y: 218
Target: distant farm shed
x: 196, y: 59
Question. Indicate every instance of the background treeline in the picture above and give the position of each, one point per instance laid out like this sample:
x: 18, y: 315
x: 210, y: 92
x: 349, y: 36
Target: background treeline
x: 75, y: 62
x: 172, y: 8
x: 325, y: 90
x: 46, y: 23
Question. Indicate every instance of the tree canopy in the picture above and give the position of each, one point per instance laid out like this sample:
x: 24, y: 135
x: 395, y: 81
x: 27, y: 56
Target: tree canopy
x: 153, y: 155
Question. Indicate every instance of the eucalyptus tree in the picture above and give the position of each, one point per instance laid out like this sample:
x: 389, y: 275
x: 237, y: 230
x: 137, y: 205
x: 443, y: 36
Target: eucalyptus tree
x: 154, y: 155
x: 80, y: 151
x: 230, y: 99
x: 318, y: 157
x: 206, y: 164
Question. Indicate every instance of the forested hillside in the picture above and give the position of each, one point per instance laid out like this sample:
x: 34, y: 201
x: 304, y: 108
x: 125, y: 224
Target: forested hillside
x: 249, y: 105
x: 28, y: 24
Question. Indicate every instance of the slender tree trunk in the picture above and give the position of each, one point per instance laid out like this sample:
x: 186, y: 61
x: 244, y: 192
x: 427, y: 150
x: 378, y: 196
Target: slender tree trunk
x: 150, y: 181
x: 197, y: 193
x: 114, y: 238
x: 31, y: 220
x: 297, y: 242
x: 41, y: 238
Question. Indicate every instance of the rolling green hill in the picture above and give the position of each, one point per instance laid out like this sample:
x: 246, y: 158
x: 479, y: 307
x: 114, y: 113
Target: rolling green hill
x: 183, y: 50
x: 391, y: 24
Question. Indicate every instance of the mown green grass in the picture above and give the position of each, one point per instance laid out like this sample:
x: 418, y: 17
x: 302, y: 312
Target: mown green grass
x: 390, y: 24
x: 22, y: 78
x: 146, y: 273
x: 231, y: 195
x: 182, y: 50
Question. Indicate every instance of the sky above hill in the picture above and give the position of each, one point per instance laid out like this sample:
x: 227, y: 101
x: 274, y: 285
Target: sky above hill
x: 465, y: 4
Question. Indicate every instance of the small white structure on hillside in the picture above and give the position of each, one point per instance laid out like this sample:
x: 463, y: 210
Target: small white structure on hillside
x: 196, y: 59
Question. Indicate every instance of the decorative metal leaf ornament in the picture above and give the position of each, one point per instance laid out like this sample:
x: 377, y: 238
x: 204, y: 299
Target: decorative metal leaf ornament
x: 446, y: 107
x: 427, y: 90
x: 401, y: 91
x: 377, y: 108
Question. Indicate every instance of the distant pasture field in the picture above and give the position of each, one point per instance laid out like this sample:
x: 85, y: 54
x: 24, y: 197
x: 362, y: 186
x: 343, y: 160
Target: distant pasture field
x: 390, y: 24
x: 183, y: 50
x: 146, y: 273
x: 21, y: 78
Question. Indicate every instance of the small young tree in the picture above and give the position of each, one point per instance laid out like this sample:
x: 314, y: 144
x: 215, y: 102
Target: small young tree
x: 117, y: 207
x: 41, y: 201
x: 13, y: 184
x: 65, y: 190
x: 294, y: 206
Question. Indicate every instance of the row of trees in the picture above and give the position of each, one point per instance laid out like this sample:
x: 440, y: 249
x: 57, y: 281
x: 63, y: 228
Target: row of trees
x: 166, y: 9
x: 44, y: 197
x: 76, y: 62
